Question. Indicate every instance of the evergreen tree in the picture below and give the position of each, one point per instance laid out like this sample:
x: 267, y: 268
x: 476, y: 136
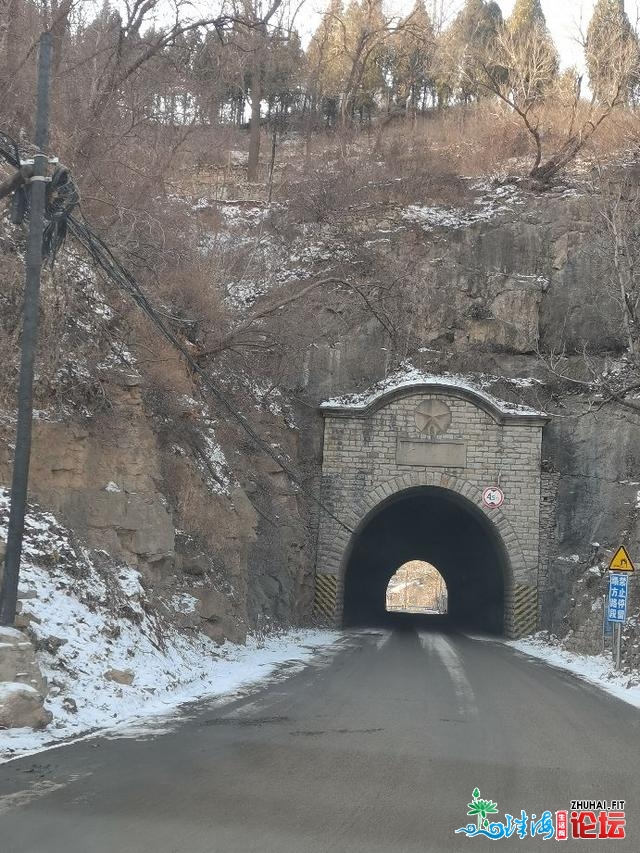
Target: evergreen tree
x: 470, y: 37
x: 526, y: 16
x: 327, y: 63
x: 212, y: 78
x: 612, y: 48
x: 413, y: 59
x: 531, y: 54
x: 280, y: 86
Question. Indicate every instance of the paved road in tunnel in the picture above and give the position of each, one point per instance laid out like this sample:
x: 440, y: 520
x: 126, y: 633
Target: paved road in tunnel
x: 375, y: 748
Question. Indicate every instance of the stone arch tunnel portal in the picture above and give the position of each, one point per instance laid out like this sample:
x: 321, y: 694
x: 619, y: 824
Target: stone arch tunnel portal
x: 411, y: 471
x: 443, y: 528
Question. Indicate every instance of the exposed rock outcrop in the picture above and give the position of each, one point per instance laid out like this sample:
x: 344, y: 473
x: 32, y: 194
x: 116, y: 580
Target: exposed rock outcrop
x: 22, y: 688
x: 22, y: 706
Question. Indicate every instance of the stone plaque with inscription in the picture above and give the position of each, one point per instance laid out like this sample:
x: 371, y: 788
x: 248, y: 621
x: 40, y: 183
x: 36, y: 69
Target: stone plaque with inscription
x: 431, y: 454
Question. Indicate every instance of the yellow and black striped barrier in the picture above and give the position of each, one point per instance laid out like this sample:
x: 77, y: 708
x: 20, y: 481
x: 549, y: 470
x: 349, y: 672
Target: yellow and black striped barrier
x: 326, y: 595
x: 525, y: 610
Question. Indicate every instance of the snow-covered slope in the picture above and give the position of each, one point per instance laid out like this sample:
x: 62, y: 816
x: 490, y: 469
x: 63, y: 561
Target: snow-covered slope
x: 94, y: 627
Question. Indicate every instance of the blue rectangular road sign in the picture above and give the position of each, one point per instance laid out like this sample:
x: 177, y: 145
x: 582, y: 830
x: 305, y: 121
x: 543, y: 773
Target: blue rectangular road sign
x: 618, y: 592
x: 608, y: 625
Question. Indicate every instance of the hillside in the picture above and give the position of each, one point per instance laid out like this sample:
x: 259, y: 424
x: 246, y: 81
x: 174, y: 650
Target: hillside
x: 364, y: 264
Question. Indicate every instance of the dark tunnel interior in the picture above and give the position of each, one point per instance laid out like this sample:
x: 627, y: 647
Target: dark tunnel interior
x: 444, y: 529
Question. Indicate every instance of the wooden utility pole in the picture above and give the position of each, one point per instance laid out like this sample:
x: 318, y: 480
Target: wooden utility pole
x: 22, y: 456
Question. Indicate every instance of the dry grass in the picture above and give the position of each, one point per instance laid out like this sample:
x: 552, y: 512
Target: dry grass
x: 405, y: 161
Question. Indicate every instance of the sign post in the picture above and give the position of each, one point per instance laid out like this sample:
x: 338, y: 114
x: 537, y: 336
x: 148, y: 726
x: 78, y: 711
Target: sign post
x: 621, y: 567
x: 607, y: 626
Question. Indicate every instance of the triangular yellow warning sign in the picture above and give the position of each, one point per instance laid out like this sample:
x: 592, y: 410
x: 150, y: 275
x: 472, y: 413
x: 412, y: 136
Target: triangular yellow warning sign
x: 621, y: 561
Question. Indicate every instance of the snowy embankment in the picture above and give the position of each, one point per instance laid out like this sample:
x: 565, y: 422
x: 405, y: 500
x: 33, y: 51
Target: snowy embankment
x: 95, y: 631
x: 596, y: 669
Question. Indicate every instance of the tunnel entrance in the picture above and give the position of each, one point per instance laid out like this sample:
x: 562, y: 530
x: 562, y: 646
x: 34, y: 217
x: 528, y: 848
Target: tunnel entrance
x: 432, y: 468
x: 417, y: 587
x: 440, y: 527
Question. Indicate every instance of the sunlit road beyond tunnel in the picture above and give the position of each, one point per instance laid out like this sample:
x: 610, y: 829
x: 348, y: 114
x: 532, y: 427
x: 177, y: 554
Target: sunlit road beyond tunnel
x: 444, y: 529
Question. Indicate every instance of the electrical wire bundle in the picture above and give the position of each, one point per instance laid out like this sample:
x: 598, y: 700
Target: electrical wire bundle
x: 62, y: 197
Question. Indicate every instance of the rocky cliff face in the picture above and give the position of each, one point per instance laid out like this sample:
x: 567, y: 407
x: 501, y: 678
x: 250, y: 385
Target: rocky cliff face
x: 500, y: 300
x: 104, y: 477
x: 496, y: 292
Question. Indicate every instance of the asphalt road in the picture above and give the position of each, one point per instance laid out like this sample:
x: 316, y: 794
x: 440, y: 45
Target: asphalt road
x: 374, y: 749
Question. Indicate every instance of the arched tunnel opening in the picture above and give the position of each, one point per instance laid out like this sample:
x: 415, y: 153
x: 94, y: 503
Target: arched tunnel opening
x: 444, y: 529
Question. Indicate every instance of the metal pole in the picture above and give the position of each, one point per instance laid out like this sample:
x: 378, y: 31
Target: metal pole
x: 618, y: 657
x: 22, y: 456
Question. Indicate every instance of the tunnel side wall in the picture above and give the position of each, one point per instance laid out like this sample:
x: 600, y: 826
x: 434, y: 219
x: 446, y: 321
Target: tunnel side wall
x: 365, y: 462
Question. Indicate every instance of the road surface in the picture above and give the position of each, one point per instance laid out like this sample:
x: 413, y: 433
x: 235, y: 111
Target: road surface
x: 374, y: 749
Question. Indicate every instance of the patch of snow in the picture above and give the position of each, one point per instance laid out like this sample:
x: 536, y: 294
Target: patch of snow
x: 596, y: 669
x: 309, y: 253
x: 438, y: 217
x: 238, y: 215
x: 10, y: 688
x: 242, y: 294
x: 93, y: 616
x: 213, y: 463
x: 112, y: 487
x: 184, y: 603
x: 486, y: 380
x: 194, y: 669
x: 494, y: 201
x: 129, y: 582
x: 409, y: 376
x: 270, y: 397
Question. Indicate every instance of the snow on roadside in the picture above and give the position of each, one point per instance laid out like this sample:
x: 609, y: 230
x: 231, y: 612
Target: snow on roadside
x: 94, y: 628
x: 187, y: 670
x: 596, y: 669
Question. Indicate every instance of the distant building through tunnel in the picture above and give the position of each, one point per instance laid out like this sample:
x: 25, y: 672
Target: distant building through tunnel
x: 405, y: 476
x: 417, y: 587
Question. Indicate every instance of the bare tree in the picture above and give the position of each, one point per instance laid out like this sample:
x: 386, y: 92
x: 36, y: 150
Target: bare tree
x: 133, y: 43
x: 619, y: 210
x: 256, y: 19
x: 522, y: 72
